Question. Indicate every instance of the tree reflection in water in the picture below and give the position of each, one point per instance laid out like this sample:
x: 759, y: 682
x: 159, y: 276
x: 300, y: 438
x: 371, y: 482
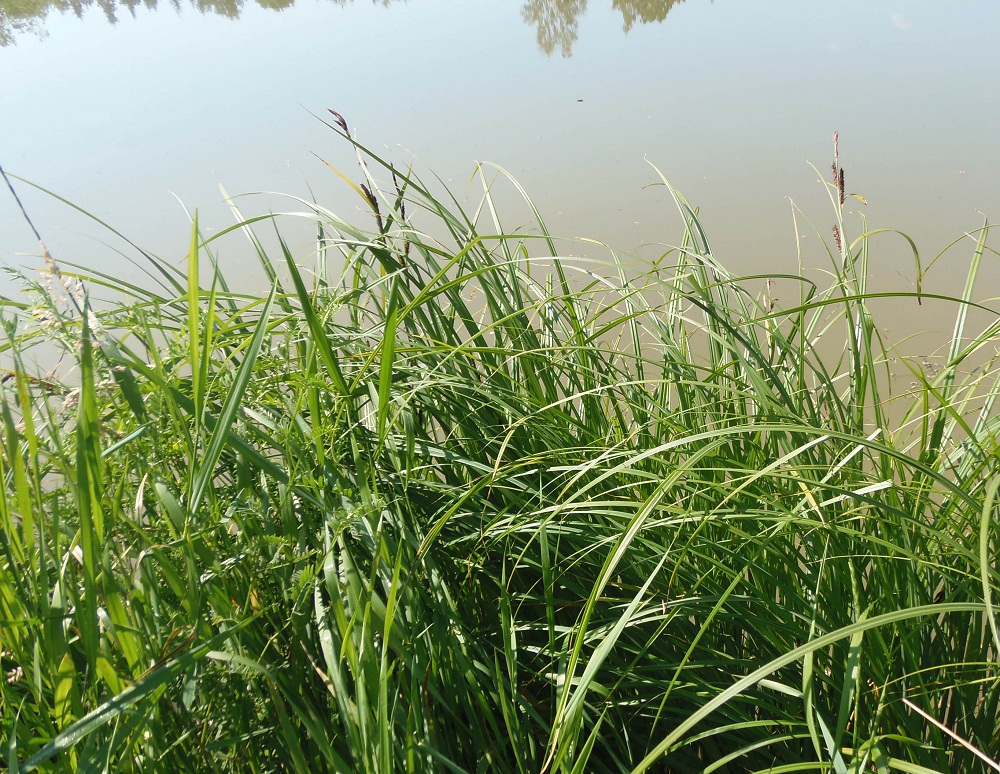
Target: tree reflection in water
x: 557, y: 21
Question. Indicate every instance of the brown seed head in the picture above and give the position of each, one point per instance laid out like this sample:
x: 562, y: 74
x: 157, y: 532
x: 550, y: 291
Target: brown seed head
x: 374, y: 205
x: 340, y: 120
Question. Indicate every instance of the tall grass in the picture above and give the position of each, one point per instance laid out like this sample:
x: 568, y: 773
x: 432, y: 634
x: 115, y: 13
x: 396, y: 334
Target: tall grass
x: 439, y: 499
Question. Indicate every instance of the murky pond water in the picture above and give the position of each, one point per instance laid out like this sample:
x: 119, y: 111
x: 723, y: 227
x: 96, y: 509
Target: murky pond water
x: 731, y: 100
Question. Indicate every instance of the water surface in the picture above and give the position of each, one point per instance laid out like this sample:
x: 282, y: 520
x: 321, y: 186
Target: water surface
x: 731, y: 100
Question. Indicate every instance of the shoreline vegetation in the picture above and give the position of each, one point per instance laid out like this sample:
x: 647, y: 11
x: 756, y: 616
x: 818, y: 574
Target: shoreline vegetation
x: 440, y: 499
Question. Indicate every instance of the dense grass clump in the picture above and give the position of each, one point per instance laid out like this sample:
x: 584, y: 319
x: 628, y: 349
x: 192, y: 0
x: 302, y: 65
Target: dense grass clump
x: 443, y: 500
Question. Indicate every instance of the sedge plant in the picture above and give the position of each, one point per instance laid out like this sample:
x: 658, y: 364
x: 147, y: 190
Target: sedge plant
x: 440, y: 498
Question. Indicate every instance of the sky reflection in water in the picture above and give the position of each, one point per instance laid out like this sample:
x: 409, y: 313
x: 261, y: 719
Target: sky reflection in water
x: 730, y: 99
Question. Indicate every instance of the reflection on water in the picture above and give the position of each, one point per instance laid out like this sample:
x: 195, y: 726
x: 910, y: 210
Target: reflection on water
x: 27, y: 15
x: 557, y: 20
